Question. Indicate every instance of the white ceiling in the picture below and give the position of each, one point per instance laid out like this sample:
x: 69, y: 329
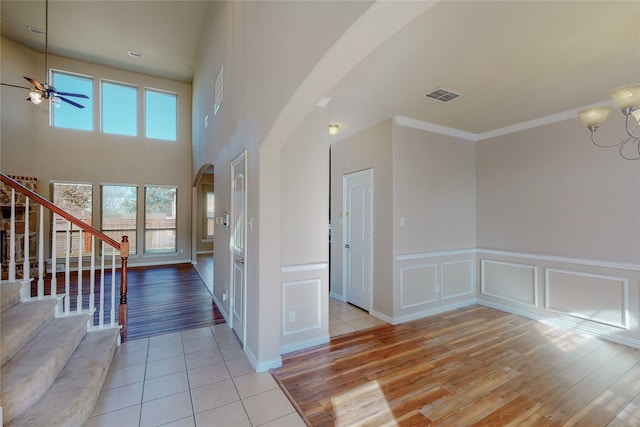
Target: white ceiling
x: 513, y: 61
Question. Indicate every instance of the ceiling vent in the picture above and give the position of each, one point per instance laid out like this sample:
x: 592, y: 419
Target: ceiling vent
x: 442, y: 94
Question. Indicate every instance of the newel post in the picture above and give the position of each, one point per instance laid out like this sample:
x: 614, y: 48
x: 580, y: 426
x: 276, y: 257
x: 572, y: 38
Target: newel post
x: 122, y: 311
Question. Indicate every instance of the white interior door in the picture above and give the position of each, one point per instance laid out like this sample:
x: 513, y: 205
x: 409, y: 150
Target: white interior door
x: 238, y: 297
x: 357, y: 193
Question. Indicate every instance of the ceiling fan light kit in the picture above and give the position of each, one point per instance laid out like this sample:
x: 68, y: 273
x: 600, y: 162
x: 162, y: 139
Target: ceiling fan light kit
x: 627, y: 99
x: 41, y: 91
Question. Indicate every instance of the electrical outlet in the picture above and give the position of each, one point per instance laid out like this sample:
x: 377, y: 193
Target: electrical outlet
x: 292, y: 316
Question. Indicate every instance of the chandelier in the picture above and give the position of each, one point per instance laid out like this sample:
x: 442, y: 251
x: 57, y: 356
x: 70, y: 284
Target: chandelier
x: 627, y: 99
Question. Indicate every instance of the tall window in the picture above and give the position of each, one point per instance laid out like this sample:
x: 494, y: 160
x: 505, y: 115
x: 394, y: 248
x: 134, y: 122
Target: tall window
x: 76, y: 199
x: 65, y: 115
x: 160, y: 219
x: 119, y: 108
x: 161, y: 115
x: 210, y: 213
x: 119, y: 213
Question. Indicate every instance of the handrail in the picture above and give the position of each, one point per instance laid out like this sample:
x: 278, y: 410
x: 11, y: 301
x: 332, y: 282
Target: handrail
x: 41, y: 200
x: 123, y: 247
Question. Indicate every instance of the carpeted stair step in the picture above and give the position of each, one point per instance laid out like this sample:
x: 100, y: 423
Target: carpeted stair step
x: 21, y: 323
x: 73, y: 395
x: 9, y: 295
x: 30, y: 373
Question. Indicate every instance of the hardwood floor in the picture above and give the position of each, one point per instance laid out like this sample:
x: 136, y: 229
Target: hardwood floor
x: 474, y: 366
x: 161, y: 299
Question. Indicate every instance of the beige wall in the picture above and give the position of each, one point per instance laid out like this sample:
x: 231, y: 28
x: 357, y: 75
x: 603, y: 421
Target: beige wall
x: 370, y: 149
x: 304, y: 245
x: 267, y: 49
x: 30, y: 147
x: 433, y: 191
x: 550, y: 191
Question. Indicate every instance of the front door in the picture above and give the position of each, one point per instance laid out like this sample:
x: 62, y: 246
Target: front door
x: 238, y: 300
x: 357, y: 192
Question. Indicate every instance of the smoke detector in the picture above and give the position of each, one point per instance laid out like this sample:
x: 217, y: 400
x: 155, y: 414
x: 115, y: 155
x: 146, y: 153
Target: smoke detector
x: 442, y: 94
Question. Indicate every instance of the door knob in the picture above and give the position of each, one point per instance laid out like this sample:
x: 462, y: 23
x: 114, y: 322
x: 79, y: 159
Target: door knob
x: 240, y: 261
x: 347, y: 246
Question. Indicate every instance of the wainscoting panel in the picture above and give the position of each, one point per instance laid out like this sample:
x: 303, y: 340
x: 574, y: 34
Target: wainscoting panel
x: 603, y: 299
x: 417, y: 285
x: 509, y: 281
x: 456, y: 278
x: 305, y: 306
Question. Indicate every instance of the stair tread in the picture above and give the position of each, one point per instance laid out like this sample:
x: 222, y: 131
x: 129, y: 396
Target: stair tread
x: 73, y: 395
x: 9, y: 295
x: 30, y: 373
x: 22, y: 322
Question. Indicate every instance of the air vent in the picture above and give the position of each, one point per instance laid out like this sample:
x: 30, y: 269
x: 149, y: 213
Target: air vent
x: 135, y: 54
x: 442, y: 94
x: 38, y: 31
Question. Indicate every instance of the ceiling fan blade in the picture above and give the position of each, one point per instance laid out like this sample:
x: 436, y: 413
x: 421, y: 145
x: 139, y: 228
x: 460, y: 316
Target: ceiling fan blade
x: 35, y: 83
x: 20, y: 87
x: 78, y: 95
x: 68, y: 101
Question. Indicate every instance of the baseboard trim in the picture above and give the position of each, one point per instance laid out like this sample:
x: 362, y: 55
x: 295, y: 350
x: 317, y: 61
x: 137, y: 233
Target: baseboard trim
x: 430, y: 312
x: 304, y: 344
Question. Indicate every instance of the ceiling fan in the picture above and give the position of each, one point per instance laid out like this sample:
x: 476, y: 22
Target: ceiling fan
x: 41, y: 91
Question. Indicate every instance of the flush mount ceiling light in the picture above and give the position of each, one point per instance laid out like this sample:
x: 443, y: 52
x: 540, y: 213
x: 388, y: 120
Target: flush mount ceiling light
x: 333, y: 129
x: 627, y: 99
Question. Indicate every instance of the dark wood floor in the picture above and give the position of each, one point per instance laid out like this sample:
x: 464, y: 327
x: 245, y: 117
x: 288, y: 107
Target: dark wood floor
x: 470, y: 367
x: 161, y: 299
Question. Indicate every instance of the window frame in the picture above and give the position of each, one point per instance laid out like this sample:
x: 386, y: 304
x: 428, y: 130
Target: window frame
x: 134, y: 231
x: 88, y: 108
x: 146, y: 250
x: 102, y: 106
x: 74, y: 230
x: 148, y: 89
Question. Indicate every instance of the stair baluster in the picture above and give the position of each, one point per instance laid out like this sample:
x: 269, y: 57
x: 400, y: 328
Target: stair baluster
x: 41, y: 253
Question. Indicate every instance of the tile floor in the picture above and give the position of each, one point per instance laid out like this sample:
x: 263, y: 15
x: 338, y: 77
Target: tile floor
x: 201, y: 377
x: 345, y: 318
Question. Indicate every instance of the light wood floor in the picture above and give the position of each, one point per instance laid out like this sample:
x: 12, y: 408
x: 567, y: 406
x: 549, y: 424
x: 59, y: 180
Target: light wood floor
x: 472, y: 366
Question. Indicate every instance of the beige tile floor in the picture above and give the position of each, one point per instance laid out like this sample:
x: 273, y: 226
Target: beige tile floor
x: 345, y: 318
x: 201, y: 377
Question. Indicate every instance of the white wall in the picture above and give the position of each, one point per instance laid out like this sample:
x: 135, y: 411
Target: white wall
x: 30, y: 147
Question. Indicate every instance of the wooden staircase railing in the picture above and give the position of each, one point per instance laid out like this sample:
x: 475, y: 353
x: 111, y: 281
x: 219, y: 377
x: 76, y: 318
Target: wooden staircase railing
x: 104, y: 308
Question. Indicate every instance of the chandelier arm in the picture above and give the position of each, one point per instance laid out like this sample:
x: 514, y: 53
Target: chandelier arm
x: 631, y: 129
x: 630, y: 141
x: 593, y: 139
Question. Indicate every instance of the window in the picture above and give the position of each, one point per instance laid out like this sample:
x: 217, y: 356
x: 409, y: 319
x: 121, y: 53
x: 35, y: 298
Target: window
x: 119, y: 109
x: 160, y: 220
x: 76, y: 199
x: 66, y: 115
x: 119, y: 213
x: 210, y: 213
x: 161, y: 115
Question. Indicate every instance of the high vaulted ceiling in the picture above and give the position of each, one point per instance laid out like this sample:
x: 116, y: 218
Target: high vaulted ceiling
x: 512, y: 61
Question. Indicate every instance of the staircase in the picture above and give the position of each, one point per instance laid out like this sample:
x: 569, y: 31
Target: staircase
x: 56, y: 344
x: 52, y: 369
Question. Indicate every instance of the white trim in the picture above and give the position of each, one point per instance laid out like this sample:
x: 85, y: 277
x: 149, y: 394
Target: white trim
x: 523, y: 266
x: 337, y: 296
x: 435, y: 281
x: 300, y: 345
x: 624, y: 310
x: 432, y: 127
x: 470, y: 136
x: 304, y: 267
x: 381, y: 316
x: 221, y: 308
x: 471, y: 276
x: 409, y: 257
x: 582, y: 327
x: 264, y: 365
x: 564, y: 260
x: 318, y: 325
x: 419, y: 315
